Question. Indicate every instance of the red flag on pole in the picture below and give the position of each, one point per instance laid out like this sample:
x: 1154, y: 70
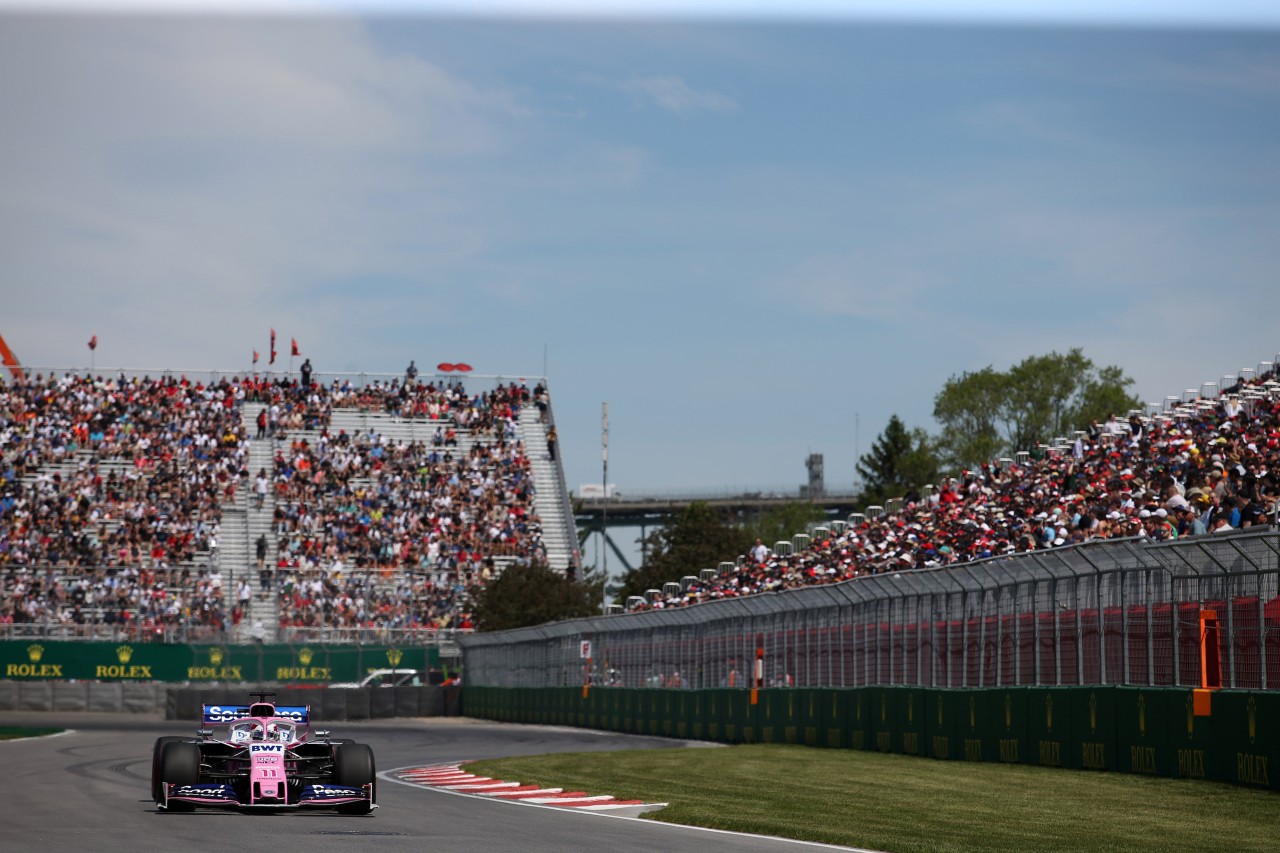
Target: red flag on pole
x: 294, y: 342
x: 255, y: 356
x: 273, y: 347
x: 93, y: 342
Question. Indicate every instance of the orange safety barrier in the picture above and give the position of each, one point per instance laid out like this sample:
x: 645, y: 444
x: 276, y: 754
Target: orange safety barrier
x: 1210, y: 660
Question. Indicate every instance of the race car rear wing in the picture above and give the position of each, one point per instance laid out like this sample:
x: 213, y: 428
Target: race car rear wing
x: 215, y: 714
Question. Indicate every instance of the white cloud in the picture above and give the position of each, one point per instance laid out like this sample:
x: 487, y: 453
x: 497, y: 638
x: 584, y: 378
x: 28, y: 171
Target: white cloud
x: 161, y: 170
x: 674, y: 95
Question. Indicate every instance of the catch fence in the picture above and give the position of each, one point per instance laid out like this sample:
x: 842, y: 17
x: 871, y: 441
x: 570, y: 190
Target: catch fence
x: 1119, y: 612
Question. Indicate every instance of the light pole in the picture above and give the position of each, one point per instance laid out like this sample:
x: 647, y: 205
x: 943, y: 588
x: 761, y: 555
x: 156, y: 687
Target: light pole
x: 604, y: 507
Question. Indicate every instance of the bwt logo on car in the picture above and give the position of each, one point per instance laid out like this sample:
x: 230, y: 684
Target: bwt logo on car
x: 277, y: 748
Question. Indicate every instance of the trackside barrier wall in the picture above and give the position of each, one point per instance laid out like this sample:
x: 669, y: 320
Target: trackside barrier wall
x: 183, y: 703
x: 1054, y: 657
x: 334, y: 705
x: 301, y: 664
x: 1119, y: 612
x: 1144, y: 730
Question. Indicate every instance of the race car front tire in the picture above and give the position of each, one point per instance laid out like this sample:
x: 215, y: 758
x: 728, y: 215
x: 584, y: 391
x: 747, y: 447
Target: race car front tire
x: 353, y: 767
x: 180, y: 765
x: 157, y: 786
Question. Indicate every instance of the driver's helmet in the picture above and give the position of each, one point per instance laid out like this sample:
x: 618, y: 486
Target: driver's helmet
x: 258, y: 733
x: 273, y: 731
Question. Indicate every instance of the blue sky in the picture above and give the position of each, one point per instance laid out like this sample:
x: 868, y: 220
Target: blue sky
x: 756, y: 236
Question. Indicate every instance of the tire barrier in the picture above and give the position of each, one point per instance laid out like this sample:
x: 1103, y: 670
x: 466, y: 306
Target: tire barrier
x: 1148, y: 731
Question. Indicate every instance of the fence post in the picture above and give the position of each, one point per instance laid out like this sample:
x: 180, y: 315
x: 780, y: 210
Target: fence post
x: 1174, y: 612
x: 1262, y: 638
x: 1151, y: 646
x: 1229, y: 599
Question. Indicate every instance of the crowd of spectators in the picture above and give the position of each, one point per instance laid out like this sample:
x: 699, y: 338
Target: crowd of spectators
x: 353, y: 514
x: 112, y: 491
x: 1206, y: 469
x: 111, y: 499
x: 293, y: 406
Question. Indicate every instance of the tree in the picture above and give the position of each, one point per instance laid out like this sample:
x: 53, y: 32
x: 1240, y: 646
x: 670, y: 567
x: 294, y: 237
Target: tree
x: 899, y: 458
x: 781, y: 522
x: 698, y: 538
x: 989, y: 413
x: 533, y: 595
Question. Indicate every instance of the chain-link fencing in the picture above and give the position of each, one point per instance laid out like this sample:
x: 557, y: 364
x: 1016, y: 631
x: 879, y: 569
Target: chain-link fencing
x: 1115, y: 612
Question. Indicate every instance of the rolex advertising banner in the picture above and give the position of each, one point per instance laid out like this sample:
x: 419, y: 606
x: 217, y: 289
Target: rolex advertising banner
x: 1092, y: 728
x: 1049, y: 728
x: 1143, y: 742
x: 944, y: 719
x: 1144, y: 730
x: 1005, y: 726
x: 313, y: 664
x: 1246, y: 737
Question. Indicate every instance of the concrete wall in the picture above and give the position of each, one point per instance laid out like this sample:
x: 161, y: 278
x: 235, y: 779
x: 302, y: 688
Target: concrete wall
x: 183, y: 703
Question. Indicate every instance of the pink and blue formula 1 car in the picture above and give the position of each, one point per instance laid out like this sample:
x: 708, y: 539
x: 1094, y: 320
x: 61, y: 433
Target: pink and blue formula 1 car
x: 266, y: 757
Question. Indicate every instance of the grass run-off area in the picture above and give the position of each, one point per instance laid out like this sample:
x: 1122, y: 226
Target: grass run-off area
x: 15, y: 732
x: 901, y: 803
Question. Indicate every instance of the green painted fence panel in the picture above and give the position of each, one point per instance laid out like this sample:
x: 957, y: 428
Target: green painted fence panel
x: 962, y: 707
x: 1150, y: 731
x: 1048, y: 727
x: 1245, y: 728
x: 1191, y: 736
x: 858, y: 716
x: 834, y: 708
x: 769, y: 717
x: 1092, y: 728
x: 812, y: 726
x: 1004, y: 725
x: 943, y: 726
x: 886, y: 732
x: 909, y: 705
x: 1143, y: 733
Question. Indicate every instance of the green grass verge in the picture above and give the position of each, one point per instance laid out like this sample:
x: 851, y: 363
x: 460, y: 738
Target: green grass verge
x: 15, y: 732
x: 899, y: 803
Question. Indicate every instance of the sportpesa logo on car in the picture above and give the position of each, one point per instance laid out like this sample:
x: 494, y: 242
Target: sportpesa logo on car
x: 231, y: 713
x: 327, y: 791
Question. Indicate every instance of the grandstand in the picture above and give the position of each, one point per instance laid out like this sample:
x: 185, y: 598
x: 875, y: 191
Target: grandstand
x: 1207, y: 462
x: 131, y: 504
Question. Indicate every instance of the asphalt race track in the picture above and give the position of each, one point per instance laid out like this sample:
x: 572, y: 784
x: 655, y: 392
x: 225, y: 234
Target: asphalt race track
x: 88, y: 790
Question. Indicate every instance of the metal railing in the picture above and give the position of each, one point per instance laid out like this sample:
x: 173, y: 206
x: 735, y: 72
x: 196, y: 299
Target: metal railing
x: 472, y: 381
x: 1114, y: 612
x: 119, y: 632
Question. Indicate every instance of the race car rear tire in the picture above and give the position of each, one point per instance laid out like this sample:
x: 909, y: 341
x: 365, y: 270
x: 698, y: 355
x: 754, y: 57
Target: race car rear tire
x: 180, y: 765
x: 353, y: 767
x: 157, y: 787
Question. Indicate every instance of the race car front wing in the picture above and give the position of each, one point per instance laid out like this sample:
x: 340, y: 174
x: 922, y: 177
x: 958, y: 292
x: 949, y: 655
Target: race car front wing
x: 224, y: 795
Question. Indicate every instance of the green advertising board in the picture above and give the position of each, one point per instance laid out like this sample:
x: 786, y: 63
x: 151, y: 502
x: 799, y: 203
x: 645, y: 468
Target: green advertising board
x: 300, y: 664
x: 1150, y: 731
